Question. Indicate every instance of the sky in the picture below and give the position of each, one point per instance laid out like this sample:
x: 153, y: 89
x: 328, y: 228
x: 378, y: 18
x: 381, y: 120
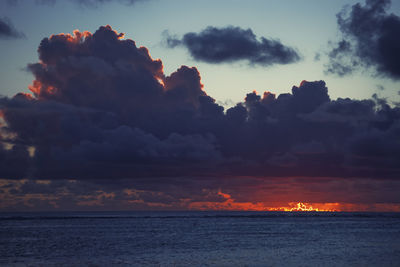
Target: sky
x: 199, y: 105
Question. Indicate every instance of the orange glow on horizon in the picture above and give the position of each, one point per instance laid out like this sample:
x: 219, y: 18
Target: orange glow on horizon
x: 300, y: 206
x: 231, y: 204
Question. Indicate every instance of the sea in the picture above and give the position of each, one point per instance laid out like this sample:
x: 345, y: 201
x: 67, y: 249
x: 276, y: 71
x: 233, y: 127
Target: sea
x: 200, y: 239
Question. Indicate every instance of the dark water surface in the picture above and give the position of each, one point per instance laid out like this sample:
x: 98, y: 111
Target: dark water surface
x: 199, y: 239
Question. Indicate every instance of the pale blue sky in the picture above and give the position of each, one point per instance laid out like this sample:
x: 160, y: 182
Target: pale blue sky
x: 305, y: 25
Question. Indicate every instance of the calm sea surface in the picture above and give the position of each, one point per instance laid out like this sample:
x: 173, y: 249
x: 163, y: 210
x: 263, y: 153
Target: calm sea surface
x: 199, y: 239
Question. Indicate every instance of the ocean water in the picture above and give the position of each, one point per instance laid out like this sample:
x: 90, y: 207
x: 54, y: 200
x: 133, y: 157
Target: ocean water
x: 199, y: 239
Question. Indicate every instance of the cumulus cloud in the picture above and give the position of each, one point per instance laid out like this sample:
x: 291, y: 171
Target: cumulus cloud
x: 370, y: 39
x: 231, y: 44
x: 102, y: 116
x: 8, y: 31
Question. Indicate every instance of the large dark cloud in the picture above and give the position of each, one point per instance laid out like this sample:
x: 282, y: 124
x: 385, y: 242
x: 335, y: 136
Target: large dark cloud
x: 8, y: 31
x: 230, y: 44
x: 105, y: 117
x: 371, y: 37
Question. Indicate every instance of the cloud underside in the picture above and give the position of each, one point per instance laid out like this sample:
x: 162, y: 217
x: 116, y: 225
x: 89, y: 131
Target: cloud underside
x: 231, y: 44
x: 102, y: 117
x: 370, y: 40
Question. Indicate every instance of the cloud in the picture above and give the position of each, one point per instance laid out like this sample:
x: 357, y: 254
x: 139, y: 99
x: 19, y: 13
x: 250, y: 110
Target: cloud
x: 370, y: 39
x: 14, y: 162
x: 103, y: 118
x: 84, y: 3
x: 7, y: 30
x: 232, y: 44
x: 96, y: 3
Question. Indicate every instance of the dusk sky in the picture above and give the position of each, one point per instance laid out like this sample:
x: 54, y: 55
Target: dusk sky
x: 199, y: 105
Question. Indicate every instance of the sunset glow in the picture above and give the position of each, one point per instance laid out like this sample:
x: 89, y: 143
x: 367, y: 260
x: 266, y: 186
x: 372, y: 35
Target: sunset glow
x: 300, y: 206
x: 39, y: 89
x: 161, y: 81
